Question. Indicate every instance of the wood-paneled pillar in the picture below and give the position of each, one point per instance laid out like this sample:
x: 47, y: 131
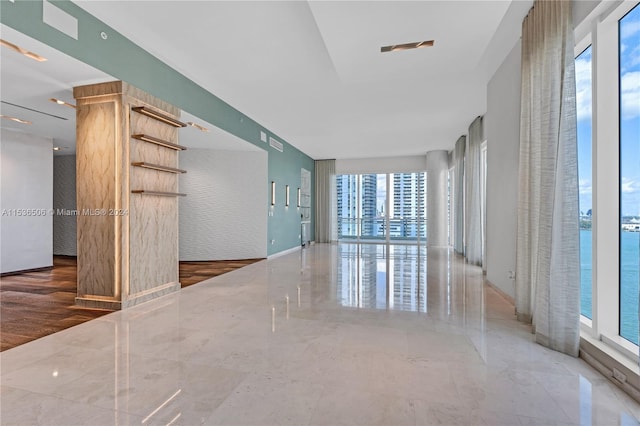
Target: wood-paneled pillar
x: 127, y: 200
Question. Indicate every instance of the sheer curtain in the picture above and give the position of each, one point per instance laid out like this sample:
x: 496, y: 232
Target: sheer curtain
x: 547, y: 261
x: 325, y: 225
x: 458, y: 195
x: 473, y: 213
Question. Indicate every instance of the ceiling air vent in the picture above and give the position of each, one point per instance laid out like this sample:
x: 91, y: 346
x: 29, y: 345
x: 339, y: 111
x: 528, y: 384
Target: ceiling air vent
x: 276, y: 145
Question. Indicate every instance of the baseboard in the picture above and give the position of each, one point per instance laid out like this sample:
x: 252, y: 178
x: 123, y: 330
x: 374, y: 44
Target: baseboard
x: 113, y: 304
x: 501, y: 292
x: 283, y: 252
x: 25, y: 271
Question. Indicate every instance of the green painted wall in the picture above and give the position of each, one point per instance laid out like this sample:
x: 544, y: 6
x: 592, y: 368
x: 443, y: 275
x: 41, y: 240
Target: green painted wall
x: 126, y: 61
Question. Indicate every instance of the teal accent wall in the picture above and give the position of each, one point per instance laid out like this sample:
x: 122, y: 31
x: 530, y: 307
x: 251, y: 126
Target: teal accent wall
x: 284, y: 225
x: 124, y: 60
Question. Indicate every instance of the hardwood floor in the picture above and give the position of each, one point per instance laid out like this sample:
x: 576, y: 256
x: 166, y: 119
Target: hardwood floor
x: 36, y: 304
x: 194, y: 272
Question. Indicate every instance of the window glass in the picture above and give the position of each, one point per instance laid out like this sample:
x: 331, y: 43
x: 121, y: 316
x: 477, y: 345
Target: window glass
x: 583, y: 103
x: 629, y: 74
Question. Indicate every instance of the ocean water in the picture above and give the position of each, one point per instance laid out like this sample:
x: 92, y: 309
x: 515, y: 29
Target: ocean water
x: 629, y: 278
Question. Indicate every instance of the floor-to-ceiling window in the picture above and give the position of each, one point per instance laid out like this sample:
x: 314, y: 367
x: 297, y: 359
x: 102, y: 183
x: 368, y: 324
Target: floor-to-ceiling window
x: 348, y: 206
x: 373, y: 200
x: 608, y: 113
x: 382, y: 207
x: 629, y: 98
x: 583, y: 104
x: 407, y: 211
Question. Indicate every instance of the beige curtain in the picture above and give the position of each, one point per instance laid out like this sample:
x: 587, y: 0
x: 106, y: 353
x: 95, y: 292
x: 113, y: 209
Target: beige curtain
x: 547, y: 261
x: 458, y: 195
x: 325, y: 225
x: 473, y: 200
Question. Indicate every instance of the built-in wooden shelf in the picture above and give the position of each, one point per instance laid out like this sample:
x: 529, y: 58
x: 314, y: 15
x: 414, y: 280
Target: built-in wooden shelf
x: 156, y: 115
x: 157, y: 167
x: 151, y: 139
x: 162, y: 194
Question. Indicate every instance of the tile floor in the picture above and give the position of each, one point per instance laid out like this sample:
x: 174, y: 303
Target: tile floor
x: 332, y: 335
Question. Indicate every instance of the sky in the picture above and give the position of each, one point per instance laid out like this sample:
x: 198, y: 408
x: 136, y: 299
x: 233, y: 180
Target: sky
x: 629, y: 122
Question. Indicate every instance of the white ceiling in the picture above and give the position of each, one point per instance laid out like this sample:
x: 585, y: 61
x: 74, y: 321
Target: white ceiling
x: 312, y: 72
x: 30, y: 85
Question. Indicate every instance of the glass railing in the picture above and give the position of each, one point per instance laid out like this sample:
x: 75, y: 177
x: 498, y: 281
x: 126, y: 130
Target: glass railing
x: 375, y: 228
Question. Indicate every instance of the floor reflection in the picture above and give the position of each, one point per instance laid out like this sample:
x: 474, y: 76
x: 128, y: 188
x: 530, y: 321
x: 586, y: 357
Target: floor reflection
x: 334, y: 334
x: 382, y: 276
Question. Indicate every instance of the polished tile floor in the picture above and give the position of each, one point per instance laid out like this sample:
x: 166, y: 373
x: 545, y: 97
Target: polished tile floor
x: 38, y: 303
x: 333, y: 335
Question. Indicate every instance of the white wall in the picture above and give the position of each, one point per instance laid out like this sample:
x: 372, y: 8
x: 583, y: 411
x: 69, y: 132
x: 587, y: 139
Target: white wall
x: 502, y: 130
x: 64, y: 197
x: 381, y: 165
x: 224, y: 215
x: 26, y: 170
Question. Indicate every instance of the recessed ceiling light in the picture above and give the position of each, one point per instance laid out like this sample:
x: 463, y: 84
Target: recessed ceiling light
x: 406, y: 46
x: 197, y: 126
x: 22, y: 51
x: 17, y: 120
x: 59, y: 102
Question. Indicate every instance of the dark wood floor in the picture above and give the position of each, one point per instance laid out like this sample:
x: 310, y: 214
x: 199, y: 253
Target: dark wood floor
x: 36, y: 304
x: 194, y: 272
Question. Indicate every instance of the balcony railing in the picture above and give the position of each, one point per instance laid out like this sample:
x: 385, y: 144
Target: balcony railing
x: 375, y: 228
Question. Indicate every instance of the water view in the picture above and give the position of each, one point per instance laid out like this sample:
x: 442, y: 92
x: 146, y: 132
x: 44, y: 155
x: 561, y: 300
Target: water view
x: 629, y: 280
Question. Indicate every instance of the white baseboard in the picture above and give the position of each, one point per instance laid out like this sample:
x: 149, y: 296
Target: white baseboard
x: 283, y: 252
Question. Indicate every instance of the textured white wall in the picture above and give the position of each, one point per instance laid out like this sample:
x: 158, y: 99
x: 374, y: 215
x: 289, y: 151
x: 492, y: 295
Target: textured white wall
x: 224, y: 215
x: 64, y: 197
x: 502, y: 129
x: 26, y: 170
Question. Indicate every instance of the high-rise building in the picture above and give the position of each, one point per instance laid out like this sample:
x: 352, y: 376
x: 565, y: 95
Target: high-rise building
x: 347, y: 204
x: 369, y: 198
x: 408, y: 204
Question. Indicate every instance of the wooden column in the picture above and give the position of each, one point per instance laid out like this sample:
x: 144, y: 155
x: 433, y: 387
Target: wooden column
x: 127, y: 195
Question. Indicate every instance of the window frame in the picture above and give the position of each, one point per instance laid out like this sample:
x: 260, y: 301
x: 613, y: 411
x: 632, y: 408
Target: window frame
x: 601, y: 31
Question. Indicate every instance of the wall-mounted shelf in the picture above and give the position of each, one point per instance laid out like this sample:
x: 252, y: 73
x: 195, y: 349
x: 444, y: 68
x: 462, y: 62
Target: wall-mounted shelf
x: 156, y: 115
x: 157, y: 167
x: 162, y: 194
x: 151, y: 139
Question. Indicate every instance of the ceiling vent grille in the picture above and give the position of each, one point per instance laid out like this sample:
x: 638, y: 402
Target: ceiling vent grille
x: 275, y: 144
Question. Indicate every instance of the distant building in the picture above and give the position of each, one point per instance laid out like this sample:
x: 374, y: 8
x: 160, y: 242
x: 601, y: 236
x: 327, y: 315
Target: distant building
x: 408, y: 195
x: 631, y: 227
x: 346, y: 188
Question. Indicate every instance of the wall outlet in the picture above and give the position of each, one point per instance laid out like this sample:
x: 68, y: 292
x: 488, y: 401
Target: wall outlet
x: 273, y: 241
x: 619, y: 375
x: 512, y: 275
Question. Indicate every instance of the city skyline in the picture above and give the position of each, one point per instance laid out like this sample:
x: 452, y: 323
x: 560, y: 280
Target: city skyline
x: 406, y: 199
